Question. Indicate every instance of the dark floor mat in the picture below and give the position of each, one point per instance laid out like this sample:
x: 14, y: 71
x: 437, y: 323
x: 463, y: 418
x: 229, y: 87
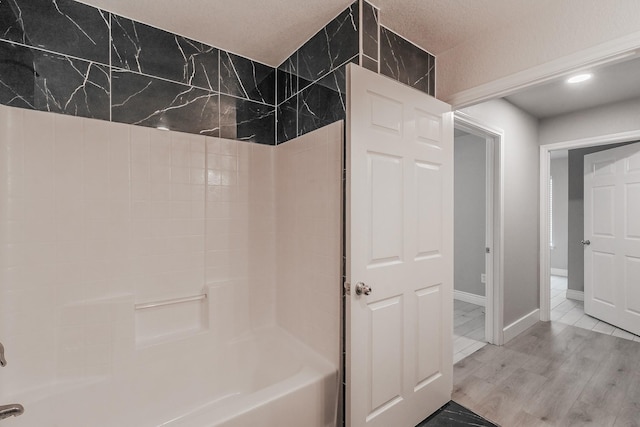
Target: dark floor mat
x: 455, y: 415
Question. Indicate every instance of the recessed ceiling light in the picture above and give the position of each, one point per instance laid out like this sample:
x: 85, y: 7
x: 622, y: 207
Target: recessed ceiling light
x: 579, y: 78
x: 162, y: 128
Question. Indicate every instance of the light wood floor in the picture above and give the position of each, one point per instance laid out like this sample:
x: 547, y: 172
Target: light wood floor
x: 553, y: 374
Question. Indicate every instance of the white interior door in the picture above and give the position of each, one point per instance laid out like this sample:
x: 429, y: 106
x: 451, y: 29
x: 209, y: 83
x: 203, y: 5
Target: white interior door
x: 399, y: 244
x: 612, y: 236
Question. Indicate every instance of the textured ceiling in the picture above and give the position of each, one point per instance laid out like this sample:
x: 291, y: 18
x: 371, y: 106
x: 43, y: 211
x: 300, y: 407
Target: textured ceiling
x: 267, y: 31
x: 439, y: 25
x: 270, y: 30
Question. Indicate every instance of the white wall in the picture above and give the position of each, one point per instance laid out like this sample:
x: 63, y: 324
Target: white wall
x: 560, y: 175
x: 96, y: 217
x: 469, y: 213
x: 558, y: 29
x: 309, y: 238
x: 520, y: 159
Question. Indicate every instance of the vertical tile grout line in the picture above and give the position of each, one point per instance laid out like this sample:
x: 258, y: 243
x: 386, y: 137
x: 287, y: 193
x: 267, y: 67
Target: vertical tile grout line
x: 297, y: 73
x: 275, y: 112
x: 204, y: 226
x: 379, y: 40
x: 110, y: 68
x: 219, y: 96
x: 360, y: 31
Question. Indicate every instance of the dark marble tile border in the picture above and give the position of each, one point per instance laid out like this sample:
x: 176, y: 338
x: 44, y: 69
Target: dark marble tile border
x: 46, y: 81
x: 147, y: 101
x: 287, y: 79
x: 62, y: 26
x: 370, y: 30
x: 332, y: 46
x: 149, y: 50
x: 247, y: 79
x: 247, y: 120
x: 68, y: 57
x: 405, y: 62
x: 287, y: 120
x: 369, y: 63
x: 322, y: 103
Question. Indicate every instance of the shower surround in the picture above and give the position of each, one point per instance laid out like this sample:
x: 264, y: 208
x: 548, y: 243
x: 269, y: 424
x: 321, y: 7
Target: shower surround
x: 100, y: 220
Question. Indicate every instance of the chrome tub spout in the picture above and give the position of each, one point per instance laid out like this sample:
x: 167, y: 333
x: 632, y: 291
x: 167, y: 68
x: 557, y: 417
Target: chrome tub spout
x: 14, y: 410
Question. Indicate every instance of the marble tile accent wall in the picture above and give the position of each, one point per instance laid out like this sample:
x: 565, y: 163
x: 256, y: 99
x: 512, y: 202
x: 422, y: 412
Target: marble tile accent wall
x: 407, y: 63
x: 311, y: 90
x: 311, y: 82
x: 370, y: 35
x: 66, y: 57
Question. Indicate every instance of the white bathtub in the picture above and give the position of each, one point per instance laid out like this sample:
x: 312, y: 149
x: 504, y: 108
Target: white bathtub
x: 267, y: 379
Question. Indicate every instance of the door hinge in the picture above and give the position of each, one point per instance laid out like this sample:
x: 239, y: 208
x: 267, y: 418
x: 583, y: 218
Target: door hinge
x: 487, y: 250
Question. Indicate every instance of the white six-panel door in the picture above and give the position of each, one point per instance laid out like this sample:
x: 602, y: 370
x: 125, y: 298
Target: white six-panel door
x: 612, y: 229
x: 399, y: 244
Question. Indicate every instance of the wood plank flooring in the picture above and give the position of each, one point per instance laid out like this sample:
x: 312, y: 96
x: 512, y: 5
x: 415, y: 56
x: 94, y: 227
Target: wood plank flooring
x: 553, y: 374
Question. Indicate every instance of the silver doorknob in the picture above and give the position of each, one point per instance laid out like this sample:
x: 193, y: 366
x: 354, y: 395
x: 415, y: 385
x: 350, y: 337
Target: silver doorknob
x: 3, y: 361
x: 361, y: 288
x: 585, y: 242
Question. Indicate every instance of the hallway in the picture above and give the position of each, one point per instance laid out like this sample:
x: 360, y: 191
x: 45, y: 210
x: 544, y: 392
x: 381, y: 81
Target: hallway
x: 554, y: 374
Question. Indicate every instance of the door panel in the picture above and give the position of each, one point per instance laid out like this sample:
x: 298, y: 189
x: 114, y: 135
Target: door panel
x: 604, y: 271
x: 386, y: 356
x: 603, y: 211
x: 612, y: 224
x: 387, y: 216
x: 633, y: 163
x: 428, y: 357
x: 399, y: 243
x: 631, y: 275
x: 429, y: 215
x: 632, y: 219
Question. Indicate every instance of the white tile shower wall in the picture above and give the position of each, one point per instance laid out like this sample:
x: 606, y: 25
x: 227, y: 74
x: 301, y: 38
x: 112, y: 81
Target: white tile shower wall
x: 97, y: 216
x: 240, y: 230
x: 309, y: 197
x: 65, y: 271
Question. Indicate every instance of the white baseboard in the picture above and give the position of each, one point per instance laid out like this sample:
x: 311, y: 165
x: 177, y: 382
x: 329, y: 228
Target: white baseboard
x: 521, y: 325
x: 575, y: 295
x: 559, y: 272
x: 470, y: 298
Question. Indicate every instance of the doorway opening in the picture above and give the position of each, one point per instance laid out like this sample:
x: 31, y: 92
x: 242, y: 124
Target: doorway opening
x: 477, y: 236
x: 564, y: 302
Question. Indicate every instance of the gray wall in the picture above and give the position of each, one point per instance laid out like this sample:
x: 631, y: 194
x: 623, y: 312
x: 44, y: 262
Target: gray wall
x: 608, y: 119
x: 469, y: 214
x: 521, y: 236
x: 560, y: 175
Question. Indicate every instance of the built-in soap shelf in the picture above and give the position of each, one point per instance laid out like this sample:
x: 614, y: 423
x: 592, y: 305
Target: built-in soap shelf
x: 169, y: 319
